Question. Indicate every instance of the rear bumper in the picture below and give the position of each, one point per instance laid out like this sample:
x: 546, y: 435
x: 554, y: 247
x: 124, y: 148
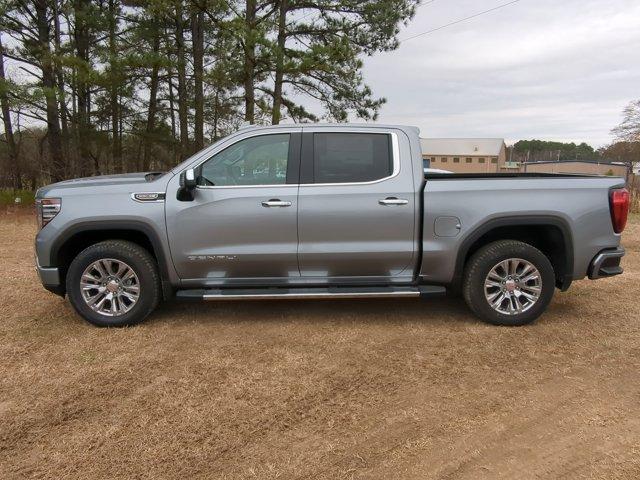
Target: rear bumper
x: 606, y: 263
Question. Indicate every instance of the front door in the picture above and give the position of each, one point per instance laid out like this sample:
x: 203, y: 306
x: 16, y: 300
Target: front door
x: 242, y: 222
x: 356, y: 206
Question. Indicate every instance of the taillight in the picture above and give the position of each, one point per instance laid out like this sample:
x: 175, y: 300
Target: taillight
x: 46, y: 209
x: 619, y: 206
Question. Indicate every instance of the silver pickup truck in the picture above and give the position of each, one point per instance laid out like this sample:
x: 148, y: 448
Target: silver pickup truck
x: 324, y: 211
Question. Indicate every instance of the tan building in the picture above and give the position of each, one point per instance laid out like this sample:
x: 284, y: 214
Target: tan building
x: 488, y: 155
x: 584, y: 167
x: 466, y: 155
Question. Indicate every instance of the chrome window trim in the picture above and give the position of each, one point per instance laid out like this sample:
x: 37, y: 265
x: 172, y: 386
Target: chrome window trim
x: 395, y: 150
x: 220, y: 187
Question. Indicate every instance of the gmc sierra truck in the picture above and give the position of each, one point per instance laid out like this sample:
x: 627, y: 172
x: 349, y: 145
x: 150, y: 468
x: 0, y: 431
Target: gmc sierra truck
x: 324, y: 211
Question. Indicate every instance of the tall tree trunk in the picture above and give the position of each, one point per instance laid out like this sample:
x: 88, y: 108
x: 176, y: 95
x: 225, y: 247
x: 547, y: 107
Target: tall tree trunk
x: 197, y: 26
x: 279, y: 73
x: 58, y: 164
x: 8, y: 127
x: 64, y: 114
x: 137, y: 162
x: 116, y: 152
x: 172, y: 111
x: 74, y: 95
x: 182, y: 83
x: 153, y: 102
x: 216, y: 114
x: 249, y: 61
x: 82, y: 40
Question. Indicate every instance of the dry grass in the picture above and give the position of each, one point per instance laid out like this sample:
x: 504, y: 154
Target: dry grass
x: 345, y: 389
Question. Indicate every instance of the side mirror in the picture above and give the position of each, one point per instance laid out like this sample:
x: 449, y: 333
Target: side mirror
x: 188, y: 179
x: 187, y: 186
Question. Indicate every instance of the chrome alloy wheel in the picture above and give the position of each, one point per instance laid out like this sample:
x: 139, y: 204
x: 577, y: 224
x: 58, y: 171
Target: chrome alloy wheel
x: 110, y: 287
x: 513, y: 286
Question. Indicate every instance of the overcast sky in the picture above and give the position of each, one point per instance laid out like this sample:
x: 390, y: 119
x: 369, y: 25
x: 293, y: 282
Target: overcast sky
x: 549, y: 69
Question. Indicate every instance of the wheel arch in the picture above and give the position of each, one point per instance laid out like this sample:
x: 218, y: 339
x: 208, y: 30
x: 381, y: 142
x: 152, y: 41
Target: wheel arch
x: 82, y: 235
x: 550, y: 234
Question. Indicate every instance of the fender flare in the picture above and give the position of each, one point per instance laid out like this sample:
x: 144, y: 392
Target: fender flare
x: 126, y: 225
x: 517, y: 221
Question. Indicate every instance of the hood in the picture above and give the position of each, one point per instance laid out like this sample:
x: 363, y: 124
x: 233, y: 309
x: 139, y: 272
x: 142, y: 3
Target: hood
x: 101, y: 180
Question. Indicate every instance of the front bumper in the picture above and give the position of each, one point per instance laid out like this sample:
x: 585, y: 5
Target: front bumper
x: 606, y: 263
x: 50, y: 278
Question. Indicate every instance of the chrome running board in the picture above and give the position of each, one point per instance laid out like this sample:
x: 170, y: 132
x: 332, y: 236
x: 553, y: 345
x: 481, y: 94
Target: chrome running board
x: 310, y: 293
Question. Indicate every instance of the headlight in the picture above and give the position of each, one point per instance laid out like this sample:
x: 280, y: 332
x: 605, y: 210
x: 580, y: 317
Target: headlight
x: 46, y: 209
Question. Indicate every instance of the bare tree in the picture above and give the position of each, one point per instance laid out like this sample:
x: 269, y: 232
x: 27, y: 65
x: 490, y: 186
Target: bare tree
x: 626, y: 148
x: 629, y: 128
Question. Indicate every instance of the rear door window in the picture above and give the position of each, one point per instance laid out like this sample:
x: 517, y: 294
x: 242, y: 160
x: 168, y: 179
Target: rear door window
x: 351, y: 157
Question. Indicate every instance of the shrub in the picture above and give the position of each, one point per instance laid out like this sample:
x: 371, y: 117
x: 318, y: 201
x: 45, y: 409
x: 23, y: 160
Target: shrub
x: 8, y: 197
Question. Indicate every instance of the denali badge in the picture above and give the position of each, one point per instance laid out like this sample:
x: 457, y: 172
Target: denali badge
x: 148, y: 196
x: 210, y: 258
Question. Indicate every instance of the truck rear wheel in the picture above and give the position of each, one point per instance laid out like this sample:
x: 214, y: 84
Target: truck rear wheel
x: 508, y: 282
x: 114, y: 283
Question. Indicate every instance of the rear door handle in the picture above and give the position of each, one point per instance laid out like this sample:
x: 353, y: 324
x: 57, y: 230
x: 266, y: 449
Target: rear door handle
x: 275, y: 202
x: 393, y: 201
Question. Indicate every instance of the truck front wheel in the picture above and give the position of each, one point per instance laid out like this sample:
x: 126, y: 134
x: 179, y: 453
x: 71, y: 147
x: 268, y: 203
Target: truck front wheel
x: 114, y: 283
x: 508, y: 282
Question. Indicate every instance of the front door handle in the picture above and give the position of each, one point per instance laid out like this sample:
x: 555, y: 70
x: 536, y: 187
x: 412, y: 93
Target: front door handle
x: 275, y: 202
x: 393, y: 201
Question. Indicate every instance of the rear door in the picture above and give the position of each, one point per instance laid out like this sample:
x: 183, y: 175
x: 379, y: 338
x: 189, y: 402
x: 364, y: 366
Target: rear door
x: 356, y: 206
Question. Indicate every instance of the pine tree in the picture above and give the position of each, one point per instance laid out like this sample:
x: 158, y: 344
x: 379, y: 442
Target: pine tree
x: 319, y: 54
x: 140, y: 84
x: 12, y: 148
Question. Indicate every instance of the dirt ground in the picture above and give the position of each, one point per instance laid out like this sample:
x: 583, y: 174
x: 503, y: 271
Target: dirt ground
x: 371, y: 389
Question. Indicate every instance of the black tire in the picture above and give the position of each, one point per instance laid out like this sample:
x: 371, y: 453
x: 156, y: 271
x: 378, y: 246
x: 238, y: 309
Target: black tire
x: 138, y: 259
x: 484, y: 260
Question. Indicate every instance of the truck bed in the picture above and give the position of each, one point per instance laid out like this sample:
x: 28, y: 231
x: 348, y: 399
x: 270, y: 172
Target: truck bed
x: 461, y: 208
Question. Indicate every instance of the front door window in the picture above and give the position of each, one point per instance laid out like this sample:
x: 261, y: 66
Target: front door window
x: 260, y: 160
